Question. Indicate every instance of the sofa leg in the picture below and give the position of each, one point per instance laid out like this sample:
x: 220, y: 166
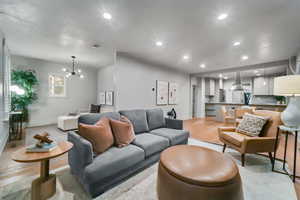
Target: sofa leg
x: 271, y: 158
x: 243, y: 159
x: 224, y: 147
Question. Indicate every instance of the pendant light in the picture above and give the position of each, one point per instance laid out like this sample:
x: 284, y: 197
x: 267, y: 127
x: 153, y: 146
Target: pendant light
x: 73, y: 72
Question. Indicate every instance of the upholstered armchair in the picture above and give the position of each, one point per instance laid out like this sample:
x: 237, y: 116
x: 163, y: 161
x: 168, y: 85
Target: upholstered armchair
x: 246, y: 144
x: 226, y: 115
x: 239, y: 113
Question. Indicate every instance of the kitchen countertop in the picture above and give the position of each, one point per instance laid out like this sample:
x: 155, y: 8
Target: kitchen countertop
x: 239, y: 104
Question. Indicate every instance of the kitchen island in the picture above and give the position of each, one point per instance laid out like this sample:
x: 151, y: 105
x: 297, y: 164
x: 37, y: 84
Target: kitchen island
x: 214, y: 109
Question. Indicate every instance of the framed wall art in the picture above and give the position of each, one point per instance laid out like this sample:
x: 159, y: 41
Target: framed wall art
x: 161, y: 92
x: 109, y: 98
x: 173, y: 93
x: 102, y: 98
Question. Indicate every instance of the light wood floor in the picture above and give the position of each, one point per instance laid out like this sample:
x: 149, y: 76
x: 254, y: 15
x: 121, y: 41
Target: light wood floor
x: 207, y: 130
x: 201, y: 129
x: 12, y: 171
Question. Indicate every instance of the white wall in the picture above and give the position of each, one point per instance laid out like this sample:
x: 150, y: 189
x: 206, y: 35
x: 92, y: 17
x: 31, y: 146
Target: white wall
x: 80, y: 92
x: 106, y: 82
x: 133, y: 80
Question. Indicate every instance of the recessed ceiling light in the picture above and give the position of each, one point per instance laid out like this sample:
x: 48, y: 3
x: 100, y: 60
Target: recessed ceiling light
x: 236, y: 43
x: 202, y: 66
x: 107, y: 15
x: 245, y: 57
x: 255, y: 71
x: 186, y: 57
x: 220, y: 75
x: 222, y: 16
x: 159, y: 43
x: 225, y: 77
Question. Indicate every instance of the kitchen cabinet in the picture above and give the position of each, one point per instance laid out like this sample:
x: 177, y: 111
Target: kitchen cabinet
x: 263, y: 85
x: 210, y: 87
x: 210, y: 110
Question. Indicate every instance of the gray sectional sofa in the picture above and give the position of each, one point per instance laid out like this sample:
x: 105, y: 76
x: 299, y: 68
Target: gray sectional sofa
x: 98, y: 173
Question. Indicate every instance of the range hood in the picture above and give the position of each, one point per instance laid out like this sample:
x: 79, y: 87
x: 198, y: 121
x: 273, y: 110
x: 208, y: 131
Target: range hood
x: 237, y: 85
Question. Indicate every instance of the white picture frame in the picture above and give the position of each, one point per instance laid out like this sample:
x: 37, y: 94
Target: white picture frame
x: 161, y: 92
x: 109, y: 98
x: 102, y: 98
x: 173, y: 93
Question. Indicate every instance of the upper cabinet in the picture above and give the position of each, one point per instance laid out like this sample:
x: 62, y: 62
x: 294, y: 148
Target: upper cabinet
x: 210, y: 87
x: 263, y: 85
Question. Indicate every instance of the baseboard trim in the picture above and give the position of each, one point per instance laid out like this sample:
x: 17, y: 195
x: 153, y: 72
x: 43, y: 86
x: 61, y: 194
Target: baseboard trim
x: 40, y: 125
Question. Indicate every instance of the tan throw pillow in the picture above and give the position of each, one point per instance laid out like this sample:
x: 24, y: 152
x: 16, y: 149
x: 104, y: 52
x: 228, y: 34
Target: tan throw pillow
x: 99, y: 135
x: 123, y: 131
x: 251, y: 125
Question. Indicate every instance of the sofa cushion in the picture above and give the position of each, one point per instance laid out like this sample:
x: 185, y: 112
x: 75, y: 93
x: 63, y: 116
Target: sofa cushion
x: 113, y: 161
x: 175, y: 136
x: 155, y: 118
x: 138, y: 118
x: 123, y: 131
x: 235, y: 138
x: 99, y: 135
x: 93, y: 118
x: 151, y: 143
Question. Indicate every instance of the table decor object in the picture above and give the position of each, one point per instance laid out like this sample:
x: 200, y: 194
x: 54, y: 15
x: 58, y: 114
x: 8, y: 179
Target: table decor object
x: 44, y: 144
x: 289, y: 86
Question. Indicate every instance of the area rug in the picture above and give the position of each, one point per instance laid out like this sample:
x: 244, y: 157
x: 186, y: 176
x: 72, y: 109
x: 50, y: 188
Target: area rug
x: 259, y: 182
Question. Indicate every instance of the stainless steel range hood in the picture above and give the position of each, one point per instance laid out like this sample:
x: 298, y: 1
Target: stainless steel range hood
x: 237, y: 86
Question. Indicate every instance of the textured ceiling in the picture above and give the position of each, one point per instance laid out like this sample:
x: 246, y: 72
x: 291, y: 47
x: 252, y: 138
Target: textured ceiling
x: 268, y: 30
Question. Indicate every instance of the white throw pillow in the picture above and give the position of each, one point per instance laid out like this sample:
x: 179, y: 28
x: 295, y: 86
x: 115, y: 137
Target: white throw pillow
x: 251, y: 125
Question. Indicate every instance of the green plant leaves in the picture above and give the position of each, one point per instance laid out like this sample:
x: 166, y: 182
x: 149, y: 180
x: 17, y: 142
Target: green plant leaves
x: 25, y: 79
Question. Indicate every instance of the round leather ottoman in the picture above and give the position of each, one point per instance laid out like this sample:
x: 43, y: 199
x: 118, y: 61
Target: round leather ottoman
x: 196, y: 173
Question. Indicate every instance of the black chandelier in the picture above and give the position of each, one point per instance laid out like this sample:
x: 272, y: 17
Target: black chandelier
x: 72, y: 72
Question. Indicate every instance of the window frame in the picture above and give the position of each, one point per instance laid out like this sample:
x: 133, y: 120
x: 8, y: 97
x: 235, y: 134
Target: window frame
x: 64, y: 95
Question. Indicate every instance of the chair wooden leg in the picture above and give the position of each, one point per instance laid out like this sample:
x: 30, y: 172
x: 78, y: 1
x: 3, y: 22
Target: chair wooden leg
x: 271, y: 158
x: 243, y: 159
x: 224, y: 147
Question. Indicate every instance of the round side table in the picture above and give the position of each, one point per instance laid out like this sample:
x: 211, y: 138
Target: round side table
x: 44, y: 186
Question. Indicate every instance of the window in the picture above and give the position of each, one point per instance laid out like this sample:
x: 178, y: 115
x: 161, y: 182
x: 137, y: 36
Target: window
x: 57, y: 86
x: 5, y: 79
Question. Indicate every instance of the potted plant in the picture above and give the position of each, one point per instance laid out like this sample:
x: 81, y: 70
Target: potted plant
x: 280, y: 99
x: 23, y: 91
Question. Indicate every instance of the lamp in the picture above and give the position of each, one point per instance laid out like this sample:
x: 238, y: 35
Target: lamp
x: 72, y: 72
x: 289, y: 86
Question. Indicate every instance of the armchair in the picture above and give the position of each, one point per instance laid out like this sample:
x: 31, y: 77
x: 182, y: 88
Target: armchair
x: 246, y: 144
x: 239, y: 113
x: 228, y: 118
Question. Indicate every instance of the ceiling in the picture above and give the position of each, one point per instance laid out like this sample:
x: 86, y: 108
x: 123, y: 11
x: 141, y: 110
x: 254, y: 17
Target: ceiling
x: 268, y: 30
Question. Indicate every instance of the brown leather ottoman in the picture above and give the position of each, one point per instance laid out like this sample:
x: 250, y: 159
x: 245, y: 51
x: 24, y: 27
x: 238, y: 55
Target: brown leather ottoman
x: 196, y: 173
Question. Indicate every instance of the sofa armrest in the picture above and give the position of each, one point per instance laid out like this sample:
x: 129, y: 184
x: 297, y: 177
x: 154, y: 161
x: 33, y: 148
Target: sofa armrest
x: 81, y: 154
x: 174, y: 123
x: 259, y: 144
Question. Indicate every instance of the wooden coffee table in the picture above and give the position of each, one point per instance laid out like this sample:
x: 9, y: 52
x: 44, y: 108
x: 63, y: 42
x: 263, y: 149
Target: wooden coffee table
x: 44, y: 186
